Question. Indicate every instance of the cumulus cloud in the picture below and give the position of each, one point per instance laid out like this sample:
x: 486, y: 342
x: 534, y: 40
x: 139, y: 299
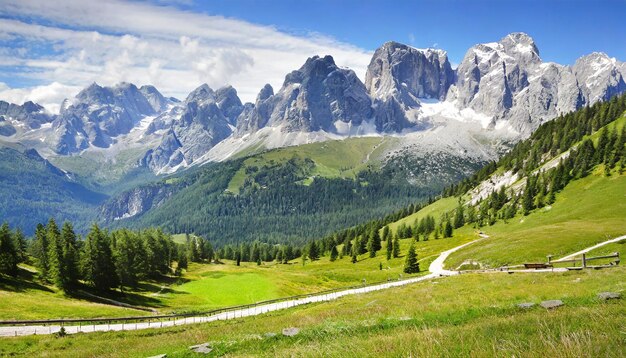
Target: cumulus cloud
x: 49, y: 96
x: 68, y: 44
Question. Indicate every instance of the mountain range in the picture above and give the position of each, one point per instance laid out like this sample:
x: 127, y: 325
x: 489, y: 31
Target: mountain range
x: 501, y: 91
x: 435, y: 124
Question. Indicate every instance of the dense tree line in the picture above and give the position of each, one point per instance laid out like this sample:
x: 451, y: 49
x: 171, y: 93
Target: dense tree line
x: 103, y: 260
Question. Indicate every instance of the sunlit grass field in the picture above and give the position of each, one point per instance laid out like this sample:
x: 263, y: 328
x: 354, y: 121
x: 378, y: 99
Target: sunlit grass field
x: 466, y: 315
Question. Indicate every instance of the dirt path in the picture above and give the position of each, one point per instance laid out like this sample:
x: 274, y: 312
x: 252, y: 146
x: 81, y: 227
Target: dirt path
x: 569, y: 257
x: 436, y: 267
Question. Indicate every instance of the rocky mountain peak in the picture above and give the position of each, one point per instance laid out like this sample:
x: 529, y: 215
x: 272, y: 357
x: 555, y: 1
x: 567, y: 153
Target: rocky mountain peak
x: 408, y: 73
x: 202, y: 93
x: 266, y: 92
x: 229, y: 103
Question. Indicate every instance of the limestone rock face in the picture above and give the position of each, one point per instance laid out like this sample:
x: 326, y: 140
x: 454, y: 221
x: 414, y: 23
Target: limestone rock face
x: 193, y: 127
x: 312, y: 98
x: 408, y: 73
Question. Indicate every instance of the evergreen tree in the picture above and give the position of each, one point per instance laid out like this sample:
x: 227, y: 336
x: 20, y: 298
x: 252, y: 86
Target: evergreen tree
x: 70, y: 257
x: 97, y: 261
x: 386, y: 233
x: 447, y: 229
x: 396, y: 247
x: 459, y: 219
x: 9, y: 255
x: 411, y: 265
x: 376, y: 240
x: 528, y: 198
x: 370, y: 248
x: 314, y: 253
x: 182, y: 263
x: 130, y: 258
x: 389, y: 248
x: 333, y: 253
x: 21, y: 245
x: 55, y: 255
x: 41, y: 251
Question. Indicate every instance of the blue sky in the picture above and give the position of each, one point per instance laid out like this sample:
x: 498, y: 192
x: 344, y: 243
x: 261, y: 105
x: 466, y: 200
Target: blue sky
x: 49, y: 50
x: 563, y: 30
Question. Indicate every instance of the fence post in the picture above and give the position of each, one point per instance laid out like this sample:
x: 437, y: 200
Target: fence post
x: 584, y: 260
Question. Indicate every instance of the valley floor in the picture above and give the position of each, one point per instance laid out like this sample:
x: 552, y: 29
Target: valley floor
x: 467, y: 315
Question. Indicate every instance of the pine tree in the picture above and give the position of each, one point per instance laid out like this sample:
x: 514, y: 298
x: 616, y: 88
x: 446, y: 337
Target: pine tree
x: 459, y: 220
x: 376, y: 240
x: 70, y: 258
x: 97, y: 260
x: 396, y: 247
x: 386, y: 233
x: 389, y: 248
x: 371, y: 246
x: 21, y: 244
x: 55, y: 255
x: 333, y: 253
x: 411, y: 265
x: 41, y: 251
x: 314, y: 253
x: 182, y: 263
x: 447, y: 229
x: 9, y: 256
x: 528, y: 198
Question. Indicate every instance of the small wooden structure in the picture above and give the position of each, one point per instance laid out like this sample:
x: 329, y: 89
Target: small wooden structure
x: 537, y: 266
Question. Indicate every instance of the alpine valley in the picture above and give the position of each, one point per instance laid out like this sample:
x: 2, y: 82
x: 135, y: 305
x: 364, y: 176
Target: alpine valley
x: 324, y: 147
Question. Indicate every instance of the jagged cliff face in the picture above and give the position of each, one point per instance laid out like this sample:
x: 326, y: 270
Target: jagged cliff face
x: 398, y: 76
x: 99, y: 114
x: 503, y: 88
x: 317, y: 97
x: 408, y: 73
x: 192, y: 127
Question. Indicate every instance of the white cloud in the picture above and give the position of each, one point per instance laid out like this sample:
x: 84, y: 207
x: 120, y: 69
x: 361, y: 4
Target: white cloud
x: 108, y: 41
x: 49, y: 96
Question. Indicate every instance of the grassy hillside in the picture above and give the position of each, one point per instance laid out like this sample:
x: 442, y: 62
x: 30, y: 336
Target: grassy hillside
x: 587, y: 211
x: 333, y: 159
x: 466, y: 315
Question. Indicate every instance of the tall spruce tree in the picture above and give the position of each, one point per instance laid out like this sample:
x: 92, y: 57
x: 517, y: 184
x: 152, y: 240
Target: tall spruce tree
x: 9, y: 256
x: 70, y: 257
x: 21, y: 245
x: 410, y: 264
x: 389, y: 247
x: 55, y: 255
x: 447, y: 228
x: 396, y: 246
x: 97, y: 260
x: 314, y: 252
x: 333, y: 253
x: 41, y: 251
x: 459, y: 219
